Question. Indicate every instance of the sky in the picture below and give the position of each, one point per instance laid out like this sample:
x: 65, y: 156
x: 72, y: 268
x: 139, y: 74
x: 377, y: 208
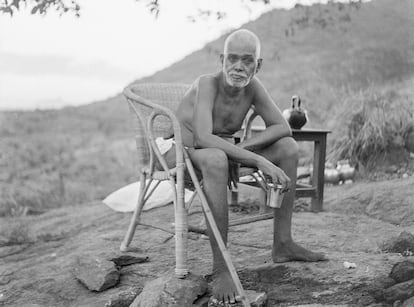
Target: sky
x: 53, y: 61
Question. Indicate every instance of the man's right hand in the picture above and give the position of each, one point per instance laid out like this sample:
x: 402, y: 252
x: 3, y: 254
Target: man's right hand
x: 276, y: 173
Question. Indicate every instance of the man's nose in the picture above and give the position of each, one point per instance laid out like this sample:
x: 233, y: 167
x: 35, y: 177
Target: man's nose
x: 238, y: 65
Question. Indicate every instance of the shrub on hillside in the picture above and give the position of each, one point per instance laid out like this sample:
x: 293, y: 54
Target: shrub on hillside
x: 41, y: 171
x: 372, y: 125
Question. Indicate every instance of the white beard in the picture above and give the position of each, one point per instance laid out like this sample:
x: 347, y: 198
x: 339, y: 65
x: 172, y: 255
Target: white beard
x: 235, y: 83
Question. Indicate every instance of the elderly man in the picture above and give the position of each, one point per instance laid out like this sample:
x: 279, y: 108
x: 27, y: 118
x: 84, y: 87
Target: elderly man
x: 211, y: 111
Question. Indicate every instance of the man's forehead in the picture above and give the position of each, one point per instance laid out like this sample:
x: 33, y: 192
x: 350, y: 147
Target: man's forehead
x: 240, y: 47
x: 240, y: 54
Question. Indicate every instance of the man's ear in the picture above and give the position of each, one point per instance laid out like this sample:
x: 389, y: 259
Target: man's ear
x: 221, y: 59
x: 259, y: 65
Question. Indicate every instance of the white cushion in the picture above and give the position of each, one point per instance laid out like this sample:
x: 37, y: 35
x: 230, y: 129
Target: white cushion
x: 125, y: 199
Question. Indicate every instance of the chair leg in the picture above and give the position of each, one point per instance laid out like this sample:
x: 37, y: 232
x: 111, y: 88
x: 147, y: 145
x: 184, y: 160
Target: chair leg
x: 234, y: 196
x: 136, y: 215
x: 181, y: 229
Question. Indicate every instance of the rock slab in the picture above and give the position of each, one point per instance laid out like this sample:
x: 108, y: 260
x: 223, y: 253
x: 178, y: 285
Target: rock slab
x: 127, y: 259
x: 402, y: 271
x: 96, y: 273
x: 266, y: 273
x: 170, y: 291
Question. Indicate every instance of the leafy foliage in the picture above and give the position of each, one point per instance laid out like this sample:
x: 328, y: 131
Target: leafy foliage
x: 40, y: 6
x: 63, y: 6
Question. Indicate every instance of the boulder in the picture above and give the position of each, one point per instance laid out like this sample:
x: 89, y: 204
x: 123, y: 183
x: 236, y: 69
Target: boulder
x: 399, y: 292
x: 168, y: 290
x: 402, y: 271
x: 96, y: 273
x: 376, y: 289
x: 409, y: 302
x: 402, y: 244
x: 256, y: 299
x: 123, y: 298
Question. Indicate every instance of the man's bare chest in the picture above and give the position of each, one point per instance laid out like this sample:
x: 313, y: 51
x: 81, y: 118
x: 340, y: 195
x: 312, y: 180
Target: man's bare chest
x: 228, y: 115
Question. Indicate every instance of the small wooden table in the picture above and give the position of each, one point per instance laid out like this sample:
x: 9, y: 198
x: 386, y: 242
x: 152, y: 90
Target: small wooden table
x: 314, y: 190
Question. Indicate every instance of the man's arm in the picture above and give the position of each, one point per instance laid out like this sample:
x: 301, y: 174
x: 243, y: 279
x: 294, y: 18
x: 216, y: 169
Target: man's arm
x: 276, y: 126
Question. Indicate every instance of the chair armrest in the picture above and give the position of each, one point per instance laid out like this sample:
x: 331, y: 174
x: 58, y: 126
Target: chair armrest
x: 151, y: 138
x: 156, y: 110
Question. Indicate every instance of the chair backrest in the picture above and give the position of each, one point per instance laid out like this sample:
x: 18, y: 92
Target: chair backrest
x: 145, y: 99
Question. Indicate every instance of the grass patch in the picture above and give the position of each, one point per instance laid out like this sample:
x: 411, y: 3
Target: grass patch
x: 16, y: 233
x: 371, y: 125
x: 51, y: 170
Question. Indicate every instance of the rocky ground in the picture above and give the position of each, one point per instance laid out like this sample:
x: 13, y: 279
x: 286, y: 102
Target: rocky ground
x: 39, y: 255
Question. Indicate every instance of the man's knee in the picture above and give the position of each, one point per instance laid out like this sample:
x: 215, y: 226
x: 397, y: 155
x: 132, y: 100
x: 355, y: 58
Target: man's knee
x: 289, y: 148
x: 215, y: 161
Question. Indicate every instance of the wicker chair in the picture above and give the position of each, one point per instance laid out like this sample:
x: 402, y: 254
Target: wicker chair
x: 152, y: 106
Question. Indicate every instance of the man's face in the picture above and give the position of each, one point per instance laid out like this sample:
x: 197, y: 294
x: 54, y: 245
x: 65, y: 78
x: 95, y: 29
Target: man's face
x: 239, y: 64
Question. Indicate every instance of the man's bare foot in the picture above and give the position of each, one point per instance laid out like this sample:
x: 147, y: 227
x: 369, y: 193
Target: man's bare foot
x: 285, y: 252
x: 224, y: 291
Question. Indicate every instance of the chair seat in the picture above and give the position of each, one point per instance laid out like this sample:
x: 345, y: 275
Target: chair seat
x: 245, y: 171
x: 163, y: 175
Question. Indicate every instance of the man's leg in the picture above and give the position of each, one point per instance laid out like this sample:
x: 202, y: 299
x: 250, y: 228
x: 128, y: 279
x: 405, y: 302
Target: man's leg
x: 213, y: 165
x: 284, y: 153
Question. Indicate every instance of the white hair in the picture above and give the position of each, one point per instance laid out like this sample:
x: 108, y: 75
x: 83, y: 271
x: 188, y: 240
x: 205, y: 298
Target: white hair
x: 246, y: 36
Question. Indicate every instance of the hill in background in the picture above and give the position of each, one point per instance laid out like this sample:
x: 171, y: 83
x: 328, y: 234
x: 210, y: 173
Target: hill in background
x: 353, y: 65
x: 322, y: 52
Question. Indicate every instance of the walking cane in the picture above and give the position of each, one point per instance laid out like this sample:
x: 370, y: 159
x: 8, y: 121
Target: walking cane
x: 209, y: 215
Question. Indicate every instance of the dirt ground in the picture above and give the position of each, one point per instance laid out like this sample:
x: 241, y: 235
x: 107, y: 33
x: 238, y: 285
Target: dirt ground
x: 37, y: 252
